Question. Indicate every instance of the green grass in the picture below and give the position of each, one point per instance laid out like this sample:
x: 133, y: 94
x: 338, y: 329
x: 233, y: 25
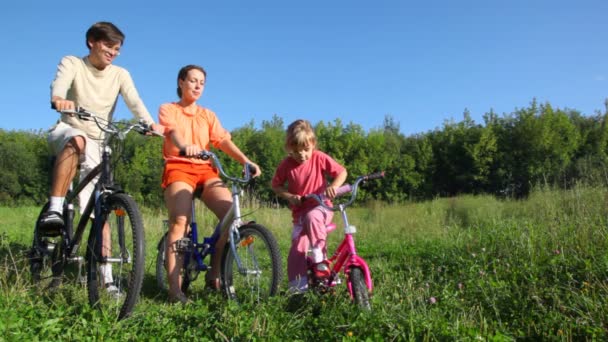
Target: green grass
x: 463, y: 268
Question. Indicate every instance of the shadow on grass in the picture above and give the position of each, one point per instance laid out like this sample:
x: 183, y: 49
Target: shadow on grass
x: 14, y: 259
x: 150, y: 290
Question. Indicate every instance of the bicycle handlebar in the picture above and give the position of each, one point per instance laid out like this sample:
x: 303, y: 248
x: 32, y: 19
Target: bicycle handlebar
x: 206, y: 155
x: 110, y: 127
x: 344, y: 189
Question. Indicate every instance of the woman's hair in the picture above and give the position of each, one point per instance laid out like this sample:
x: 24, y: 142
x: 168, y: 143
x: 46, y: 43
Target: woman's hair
x: 183, y: 73
x: 104, y: 31
x: 299, y: 134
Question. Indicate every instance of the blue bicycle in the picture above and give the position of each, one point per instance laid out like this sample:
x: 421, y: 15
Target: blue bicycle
x: 251, y: 261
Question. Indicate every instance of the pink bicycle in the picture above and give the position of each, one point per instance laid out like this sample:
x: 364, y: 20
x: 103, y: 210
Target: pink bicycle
x: 345, y: 258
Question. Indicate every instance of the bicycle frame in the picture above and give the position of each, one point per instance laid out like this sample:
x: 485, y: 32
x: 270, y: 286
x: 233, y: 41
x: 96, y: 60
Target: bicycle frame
x: 232, y: 220
x: 93, y: 204
x: 346, y: 256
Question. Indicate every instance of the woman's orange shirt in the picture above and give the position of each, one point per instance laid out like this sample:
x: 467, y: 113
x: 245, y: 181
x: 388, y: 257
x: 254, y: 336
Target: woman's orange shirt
x: 200, y: 128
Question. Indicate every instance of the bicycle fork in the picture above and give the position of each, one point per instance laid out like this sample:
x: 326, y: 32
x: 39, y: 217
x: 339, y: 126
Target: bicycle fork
x: 346, y: 258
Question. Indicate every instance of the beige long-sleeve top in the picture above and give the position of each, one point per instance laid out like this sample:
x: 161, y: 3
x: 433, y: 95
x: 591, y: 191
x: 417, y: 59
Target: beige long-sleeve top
x: 96, y: 91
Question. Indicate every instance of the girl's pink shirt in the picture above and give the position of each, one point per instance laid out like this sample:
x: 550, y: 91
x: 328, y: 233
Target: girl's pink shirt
x: 200, y: 128
x: 306, y: 178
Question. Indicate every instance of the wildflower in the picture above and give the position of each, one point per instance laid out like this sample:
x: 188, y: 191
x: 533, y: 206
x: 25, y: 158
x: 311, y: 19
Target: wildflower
x: 557, y: 252
x: 432, y: 300
x: 349, y: 334
x: 460, y: 286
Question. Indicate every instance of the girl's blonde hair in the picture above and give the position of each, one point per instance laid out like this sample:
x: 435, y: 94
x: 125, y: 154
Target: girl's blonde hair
x: 299, y: 134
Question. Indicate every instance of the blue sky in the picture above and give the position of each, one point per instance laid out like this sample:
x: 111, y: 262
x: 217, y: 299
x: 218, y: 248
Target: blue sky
x: 420, y: 62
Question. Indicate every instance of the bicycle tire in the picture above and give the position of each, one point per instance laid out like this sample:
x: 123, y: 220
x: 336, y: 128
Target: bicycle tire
x: 161, y: 268
x: 127, y: 257
x: 261, y: 258
x: 359, y: 288
x: 46, y: 258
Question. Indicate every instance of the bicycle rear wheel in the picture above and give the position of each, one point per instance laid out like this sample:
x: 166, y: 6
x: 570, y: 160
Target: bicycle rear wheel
x: 46, y: 258
x: 261, y: 270
x: 359, y: 288
x: 125, y: 254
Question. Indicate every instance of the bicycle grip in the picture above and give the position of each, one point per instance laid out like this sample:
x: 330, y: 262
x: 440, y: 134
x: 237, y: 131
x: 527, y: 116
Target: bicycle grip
x: 375, y: 175
x: 344, y: 189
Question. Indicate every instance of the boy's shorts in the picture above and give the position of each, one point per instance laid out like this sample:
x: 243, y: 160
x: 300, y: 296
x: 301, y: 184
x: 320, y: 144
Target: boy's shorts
x: 193, y: 174
x: 59, y: 136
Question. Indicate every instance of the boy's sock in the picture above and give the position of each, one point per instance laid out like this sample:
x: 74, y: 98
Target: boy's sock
x: 106, y: 273
x: 56, y: 203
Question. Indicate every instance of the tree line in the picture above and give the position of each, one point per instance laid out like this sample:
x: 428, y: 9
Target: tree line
x: 506, y: 155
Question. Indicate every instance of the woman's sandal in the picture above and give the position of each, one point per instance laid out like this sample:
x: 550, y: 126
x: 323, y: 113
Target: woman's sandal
x: 213, y: 284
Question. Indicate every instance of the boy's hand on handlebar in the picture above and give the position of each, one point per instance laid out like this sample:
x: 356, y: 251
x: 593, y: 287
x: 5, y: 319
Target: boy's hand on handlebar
x: 62, y: 105
x: 157, y: 129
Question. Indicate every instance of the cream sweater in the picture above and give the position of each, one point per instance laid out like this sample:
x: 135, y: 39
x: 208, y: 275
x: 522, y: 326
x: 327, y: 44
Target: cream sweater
x: 96, y: 91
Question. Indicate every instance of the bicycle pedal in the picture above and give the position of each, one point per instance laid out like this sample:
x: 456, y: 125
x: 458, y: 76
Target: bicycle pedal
x: 49, y: 246
x: 183, y: 245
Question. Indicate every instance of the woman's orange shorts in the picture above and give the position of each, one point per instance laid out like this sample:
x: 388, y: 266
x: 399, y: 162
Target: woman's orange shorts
x: 193, y: 174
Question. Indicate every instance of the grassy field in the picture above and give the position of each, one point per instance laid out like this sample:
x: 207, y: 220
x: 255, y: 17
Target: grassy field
x: 464, y: 268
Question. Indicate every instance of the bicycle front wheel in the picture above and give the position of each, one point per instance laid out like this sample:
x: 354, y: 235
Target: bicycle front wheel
x: 115, y: 267
x: 359, y: 288
x: 259, y: 273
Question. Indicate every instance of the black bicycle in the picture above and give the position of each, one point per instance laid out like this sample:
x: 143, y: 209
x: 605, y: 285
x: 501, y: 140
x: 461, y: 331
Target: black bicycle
x: 108, y: 205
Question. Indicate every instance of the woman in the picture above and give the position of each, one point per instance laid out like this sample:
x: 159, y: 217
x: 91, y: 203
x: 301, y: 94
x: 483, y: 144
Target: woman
x: 190, y: 128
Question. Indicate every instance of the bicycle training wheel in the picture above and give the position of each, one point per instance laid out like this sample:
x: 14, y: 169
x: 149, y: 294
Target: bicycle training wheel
x: 260, y: 273
x: 124, y: 253
x: 161, y: 267
x: 359, y: 288
x: 46, y: 258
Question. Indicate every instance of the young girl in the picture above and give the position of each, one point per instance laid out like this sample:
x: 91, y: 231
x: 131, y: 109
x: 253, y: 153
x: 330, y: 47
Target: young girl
x: 304, y: 172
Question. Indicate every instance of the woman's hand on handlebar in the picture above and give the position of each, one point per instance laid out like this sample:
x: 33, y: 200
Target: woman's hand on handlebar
x: 256, y: 172
x: 190, y: 151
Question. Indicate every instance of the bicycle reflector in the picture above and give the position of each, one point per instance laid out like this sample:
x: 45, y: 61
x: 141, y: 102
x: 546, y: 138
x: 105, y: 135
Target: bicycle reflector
x: 119, y: 212
x: 247, y: 241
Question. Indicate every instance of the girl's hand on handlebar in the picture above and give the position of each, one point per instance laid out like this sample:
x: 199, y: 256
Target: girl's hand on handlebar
x: 294, y: 199
x: 330, y: 192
